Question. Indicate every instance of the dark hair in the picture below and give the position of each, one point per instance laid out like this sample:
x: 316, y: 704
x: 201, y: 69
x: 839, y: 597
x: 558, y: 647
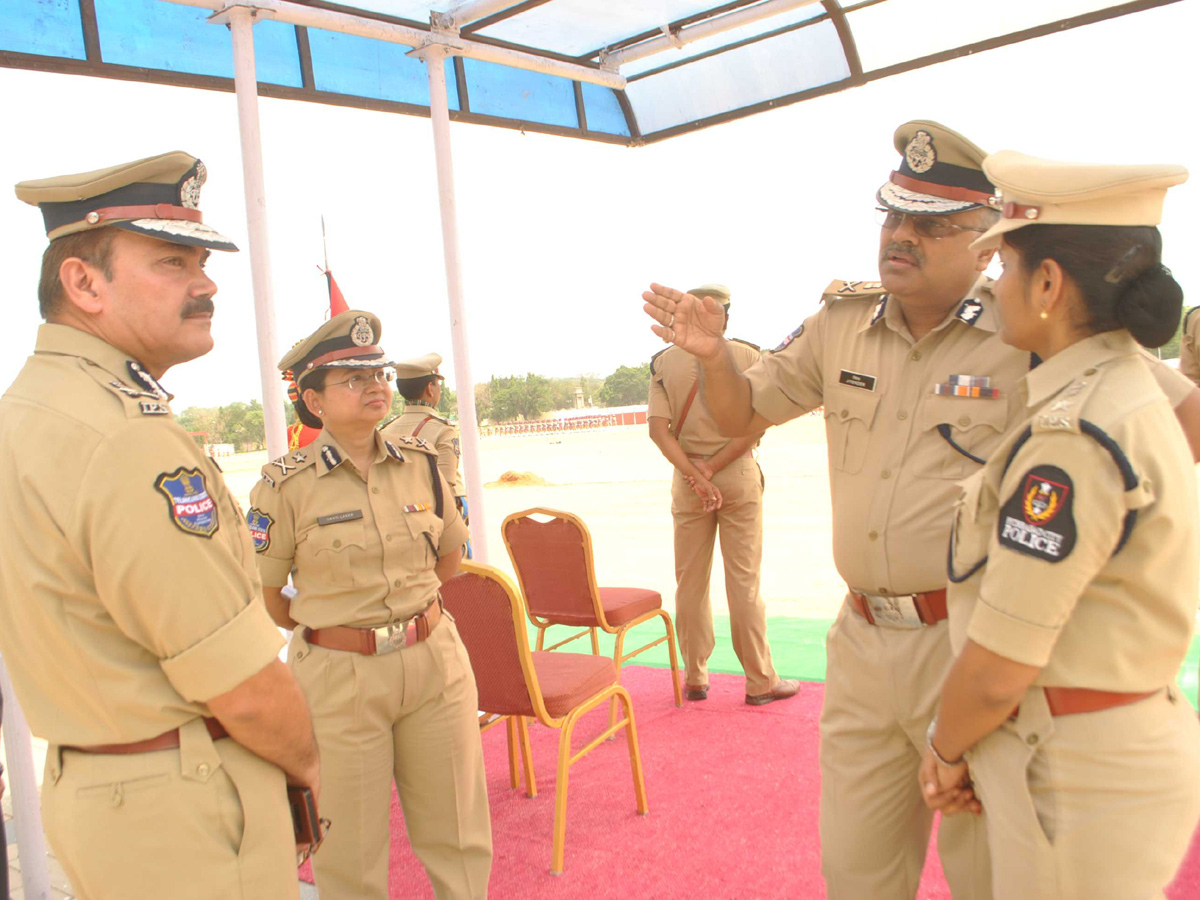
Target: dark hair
x: 1118, y: 270
x: 94, y: 247
x: 316, y: 381
x: 411, y: 389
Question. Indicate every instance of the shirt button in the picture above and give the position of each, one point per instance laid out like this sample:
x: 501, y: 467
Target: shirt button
x: 902, y: 415
x: 845, y: 412
x: 396, y: 583
x: 964, y: 421
x: 885, y: 474
x: 915, y: 355
x: 1089, y: 371
x: 202, y: 770
x: 882, y: 592
x: 389, y: 537
x: 337, y: 543
x: 873, y: 535
x: 374, y: 490
x: 1031, y: 740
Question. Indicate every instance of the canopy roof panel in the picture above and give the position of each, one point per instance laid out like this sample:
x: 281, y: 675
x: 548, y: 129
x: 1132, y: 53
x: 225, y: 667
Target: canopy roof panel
x: 624, y: 72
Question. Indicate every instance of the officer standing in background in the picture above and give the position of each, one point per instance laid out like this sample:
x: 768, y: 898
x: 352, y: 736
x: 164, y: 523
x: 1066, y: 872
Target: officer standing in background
x: 717, y: 485
x: 1189, y: 346
x: 917, y: 390
x: 420, y: 384
x: 130, y: 612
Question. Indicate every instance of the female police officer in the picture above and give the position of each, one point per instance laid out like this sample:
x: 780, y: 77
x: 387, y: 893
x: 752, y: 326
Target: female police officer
x: 368, y: 529
x: 1073, y: 559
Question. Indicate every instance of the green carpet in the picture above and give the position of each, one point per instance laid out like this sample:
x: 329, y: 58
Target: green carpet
x: 797, y: 649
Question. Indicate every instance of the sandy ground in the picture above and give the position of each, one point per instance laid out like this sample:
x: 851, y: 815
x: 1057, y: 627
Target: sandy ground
x: 618, y: 482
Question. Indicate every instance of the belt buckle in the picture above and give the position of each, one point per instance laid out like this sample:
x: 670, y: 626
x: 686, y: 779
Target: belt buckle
x: 894, y: 610
x: 390, y: 637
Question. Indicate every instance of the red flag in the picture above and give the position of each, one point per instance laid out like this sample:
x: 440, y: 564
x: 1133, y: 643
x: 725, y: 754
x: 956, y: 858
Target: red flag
x: 337, y: 303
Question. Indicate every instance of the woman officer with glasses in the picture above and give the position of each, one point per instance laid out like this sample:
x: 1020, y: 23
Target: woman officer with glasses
x: 368, y: 530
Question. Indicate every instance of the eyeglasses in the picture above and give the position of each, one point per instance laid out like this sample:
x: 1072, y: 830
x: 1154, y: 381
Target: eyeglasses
x: 926, y: 226
x: 361, y: 381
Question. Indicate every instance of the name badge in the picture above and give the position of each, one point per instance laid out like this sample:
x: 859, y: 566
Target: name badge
x: 348, y: 516
x: 857, y: 380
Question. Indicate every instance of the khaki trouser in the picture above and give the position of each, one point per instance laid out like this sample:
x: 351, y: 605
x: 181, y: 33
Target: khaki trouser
x: 739, y: 522
x: 409, y: 715
x: 209, y: 819
x: 881, y: 689
x: 1093, y: 806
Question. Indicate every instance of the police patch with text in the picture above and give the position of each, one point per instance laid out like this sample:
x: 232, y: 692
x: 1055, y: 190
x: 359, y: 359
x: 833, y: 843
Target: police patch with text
x: 260, y: 528
x: 1039, y: 518
x: 788, y: 340
x: 191, y: 508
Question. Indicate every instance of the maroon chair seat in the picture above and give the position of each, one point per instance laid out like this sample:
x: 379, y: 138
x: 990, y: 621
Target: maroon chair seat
x: 622, y: 604
x: 567, y: 679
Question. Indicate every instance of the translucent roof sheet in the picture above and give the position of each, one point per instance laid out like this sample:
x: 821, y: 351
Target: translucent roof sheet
x: 686, y: 63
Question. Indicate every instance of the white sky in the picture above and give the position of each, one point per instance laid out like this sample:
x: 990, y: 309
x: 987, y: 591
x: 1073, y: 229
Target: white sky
x: 560, y: 236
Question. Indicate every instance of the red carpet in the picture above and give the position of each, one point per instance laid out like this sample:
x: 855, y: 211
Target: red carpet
x: 733, y: 796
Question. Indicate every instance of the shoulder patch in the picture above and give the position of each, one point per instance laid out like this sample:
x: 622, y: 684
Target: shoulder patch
x: 1039, y: 518
x: 260, y: 528
x: 190, y: 507
x: 747, y: 343
x: 840, y: 290
x: 783, y: 345
x: 457, y: 447
x: 279, y: 470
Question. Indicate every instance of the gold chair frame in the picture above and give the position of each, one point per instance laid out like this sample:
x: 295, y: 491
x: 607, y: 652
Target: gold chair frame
x: 518, y: 726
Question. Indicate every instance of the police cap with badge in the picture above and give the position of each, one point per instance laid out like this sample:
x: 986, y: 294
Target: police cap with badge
x: 419, y: 367
x: 718, y: 292
x: 941, y: 172
x: 158, y: 197
x: 349, y: 340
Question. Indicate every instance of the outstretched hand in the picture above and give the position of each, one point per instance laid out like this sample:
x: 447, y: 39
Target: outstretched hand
x: 690, y: 323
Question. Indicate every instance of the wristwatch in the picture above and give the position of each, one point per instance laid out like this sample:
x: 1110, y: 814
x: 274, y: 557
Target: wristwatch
x: 929, y: 732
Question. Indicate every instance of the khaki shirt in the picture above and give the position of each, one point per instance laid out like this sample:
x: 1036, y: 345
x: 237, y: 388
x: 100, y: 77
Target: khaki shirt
x: 423, y: 421
x: 1053, y: 593
x: 1189, y: 347
x: 893, y: 476
x: 362, y: 549
x: 128, y: 590
x: 673, y: 373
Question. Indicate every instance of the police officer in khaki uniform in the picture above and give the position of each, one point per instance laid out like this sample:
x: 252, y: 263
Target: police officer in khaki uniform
x: 130, y: 610
x: 368, y: 529
x: 420, y: 384
x: 917, y: 391
x: 717, y: 486
x: 1074, y: 559
x: 1189, y: 346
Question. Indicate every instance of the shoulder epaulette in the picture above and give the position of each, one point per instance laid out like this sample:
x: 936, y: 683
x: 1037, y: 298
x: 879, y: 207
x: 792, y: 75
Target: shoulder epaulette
x: 748, y: 344
x: 279, y: 470
x: 844, y: 290
x: 136, y: 401
x: 1065, y: 412
x: 655, y: 357
x: 406, y: 442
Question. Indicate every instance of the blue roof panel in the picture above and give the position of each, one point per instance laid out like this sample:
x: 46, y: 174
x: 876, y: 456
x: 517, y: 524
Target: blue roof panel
x: 519, y: 94
x: 603, y: 110
x: 43, y: 28
x: 361, y: 67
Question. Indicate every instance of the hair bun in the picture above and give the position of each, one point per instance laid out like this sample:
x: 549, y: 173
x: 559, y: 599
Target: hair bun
x: 1149, y: 306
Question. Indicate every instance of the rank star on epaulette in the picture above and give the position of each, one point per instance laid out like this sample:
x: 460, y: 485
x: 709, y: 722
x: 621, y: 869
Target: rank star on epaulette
x: 424, y: 444
x: 880, y: 308
x: 298, y: 457
x: 404, y: 439
x: 332, y: 458
x: 969, y: 310
x: 858, y: 287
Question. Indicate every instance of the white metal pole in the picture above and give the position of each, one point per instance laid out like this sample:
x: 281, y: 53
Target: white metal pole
x: 241, y: 25
x: 22, y: 782
x: 439, y: 111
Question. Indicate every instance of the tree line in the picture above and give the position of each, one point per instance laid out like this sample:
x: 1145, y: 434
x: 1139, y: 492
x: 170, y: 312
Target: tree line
x: 500, y: 399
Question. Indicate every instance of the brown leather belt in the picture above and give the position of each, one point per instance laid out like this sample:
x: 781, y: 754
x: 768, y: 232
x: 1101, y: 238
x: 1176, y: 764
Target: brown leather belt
x: 930, y: 605
x: 384, y: 639
x: 1065, y: 701
x: 168, y: 740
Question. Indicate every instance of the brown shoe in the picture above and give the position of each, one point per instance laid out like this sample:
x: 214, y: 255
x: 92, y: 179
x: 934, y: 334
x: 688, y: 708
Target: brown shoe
x: 781, y: 691
x: 697, y: 692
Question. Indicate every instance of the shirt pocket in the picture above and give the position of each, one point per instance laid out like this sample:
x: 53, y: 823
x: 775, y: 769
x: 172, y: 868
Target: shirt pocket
x: 973, y: 424
x: 336, y: 553
x: 424, y: 535
x: 849, y: 415
x: 972, y: 527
